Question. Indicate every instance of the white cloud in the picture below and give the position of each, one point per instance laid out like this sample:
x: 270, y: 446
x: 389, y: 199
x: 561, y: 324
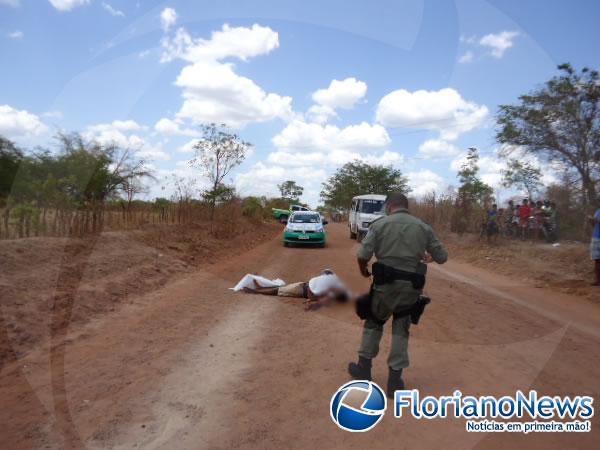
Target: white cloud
x: 498, y: 43
x: 238, y: 42
x: 112, y: 11
x: 13, y: 3
x: 424, y: 182
x: 320, y: 114
x: 490, y: 167
x: 444, y: 110
x: 168, y: 17
x: 188, y: 147
x: 262, y: 179
x: 53, y: 114
x: 119, y: 125
x: 67, y: 5
x: 437, y: 148
x: 126, y: 134
x: 302, y: 136
x: 17, y: 34
x: 19, y: 123
x: 332, y: 158
x: 173, y: 127
x: 487, y: 163
x: 308, y: 152
x: 466, y: 57
x: 144, y: 53
x: 341, y: 94
x: 212, y: 91
x: 386, y: 158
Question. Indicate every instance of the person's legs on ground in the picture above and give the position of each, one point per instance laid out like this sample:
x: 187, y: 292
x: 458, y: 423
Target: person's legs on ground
x: 398, y: 357
x: 372, y: 333
x: 369, y: 348
x: 595, y: 254
x: 293, y: 290
x: 261, y: 290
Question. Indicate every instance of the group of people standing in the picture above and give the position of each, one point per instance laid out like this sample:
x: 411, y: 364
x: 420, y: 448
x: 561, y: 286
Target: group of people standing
x: 530, y: 219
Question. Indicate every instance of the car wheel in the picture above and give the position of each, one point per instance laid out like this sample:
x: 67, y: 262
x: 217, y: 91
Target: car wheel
x: 283, y: 219
x: 285, y: 244
x: 352, y: 235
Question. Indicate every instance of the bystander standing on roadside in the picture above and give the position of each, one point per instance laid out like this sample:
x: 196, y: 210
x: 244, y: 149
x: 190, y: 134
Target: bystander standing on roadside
x: 524, y: 213
x: 595, y: 244
x: 492, y: 229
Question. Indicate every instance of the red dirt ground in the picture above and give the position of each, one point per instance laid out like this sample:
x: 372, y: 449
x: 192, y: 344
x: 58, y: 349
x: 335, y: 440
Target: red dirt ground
x: 192, y: 365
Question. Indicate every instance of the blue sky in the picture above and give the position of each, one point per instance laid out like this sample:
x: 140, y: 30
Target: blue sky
x: 311, y: 84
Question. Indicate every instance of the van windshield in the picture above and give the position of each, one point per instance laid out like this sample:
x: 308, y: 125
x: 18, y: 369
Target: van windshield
x: 371, y: 206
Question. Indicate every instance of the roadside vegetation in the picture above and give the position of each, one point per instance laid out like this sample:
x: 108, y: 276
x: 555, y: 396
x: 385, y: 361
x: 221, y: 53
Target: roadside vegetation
x: 81, y: 187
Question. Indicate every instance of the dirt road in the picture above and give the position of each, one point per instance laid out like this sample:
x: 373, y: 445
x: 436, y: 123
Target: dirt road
x: 194, y: 365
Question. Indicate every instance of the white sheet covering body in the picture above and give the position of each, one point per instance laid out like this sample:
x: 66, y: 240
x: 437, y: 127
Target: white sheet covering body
x: 248, y: 281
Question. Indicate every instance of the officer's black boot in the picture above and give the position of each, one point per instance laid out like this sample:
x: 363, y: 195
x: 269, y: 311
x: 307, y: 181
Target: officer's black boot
x: 395, y: 382
x: 360, y: 370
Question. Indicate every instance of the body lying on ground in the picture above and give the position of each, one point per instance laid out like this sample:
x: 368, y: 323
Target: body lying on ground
x: 317, y: 291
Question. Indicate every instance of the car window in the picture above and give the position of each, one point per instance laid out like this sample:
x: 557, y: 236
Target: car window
x: 305, y: 218
x: 371, y: 206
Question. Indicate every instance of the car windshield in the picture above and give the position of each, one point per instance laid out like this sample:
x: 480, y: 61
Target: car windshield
x: 305, y: 218
x: 371, y: 206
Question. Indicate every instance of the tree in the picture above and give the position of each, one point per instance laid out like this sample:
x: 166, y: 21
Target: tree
x: 472, y: 189
x: 131, y: 187
x: 560, y: 122
x: 290, y: 191
x: 10, y: 159
x: 523, y: 175
x: 473, y: 193
x: 219, y: 194
x: 356, y: 177
x: 217, y: 153
x: 81, y: 174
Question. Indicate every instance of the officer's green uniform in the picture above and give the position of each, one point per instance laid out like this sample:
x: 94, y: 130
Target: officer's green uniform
x: 400, y: 241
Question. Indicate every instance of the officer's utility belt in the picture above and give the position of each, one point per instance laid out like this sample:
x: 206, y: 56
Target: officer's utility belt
x: 364, y: 309
x: 383, y: 274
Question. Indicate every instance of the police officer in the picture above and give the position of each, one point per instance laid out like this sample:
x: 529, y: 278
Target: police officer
x: 398, y: 241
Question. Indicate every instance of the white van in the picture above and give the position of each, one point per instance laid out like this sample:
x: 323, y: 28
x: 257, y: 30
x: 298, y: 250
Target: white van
x: 364, y: 210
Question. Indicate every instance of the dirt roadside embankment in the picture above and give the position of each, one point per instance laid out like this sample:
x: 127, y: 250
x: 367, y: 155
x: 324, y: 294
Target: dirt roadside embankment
x: 43, y: 278
x: 564, y: 268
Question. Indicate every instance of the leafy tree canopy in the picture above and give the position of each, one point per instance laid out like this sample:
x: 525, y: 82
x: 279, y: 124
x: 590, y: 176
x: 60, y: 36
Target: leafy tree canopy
x: 357, y: 178
x: 472, y: 189
x: 523, y: 175
x: 290, y: 191
x: 560, y: 122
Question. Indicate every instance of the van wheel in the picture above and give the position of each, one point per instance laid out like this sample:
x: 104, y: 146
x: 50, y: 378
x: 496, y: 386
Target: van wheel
x: 352, y: 235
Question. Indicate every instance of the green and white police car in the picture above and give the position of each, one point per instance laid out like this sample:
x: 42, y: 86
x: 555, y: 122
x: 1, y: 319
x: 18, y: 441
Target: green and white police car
x: 304, y: 228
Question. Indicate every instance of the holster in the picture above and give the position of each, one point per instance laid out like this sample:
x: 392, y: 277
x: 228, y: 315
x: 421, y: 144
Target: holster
x: 364, y: 309
x: 364, y: 306
x: 415, y: 311
x: 383, y: 274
